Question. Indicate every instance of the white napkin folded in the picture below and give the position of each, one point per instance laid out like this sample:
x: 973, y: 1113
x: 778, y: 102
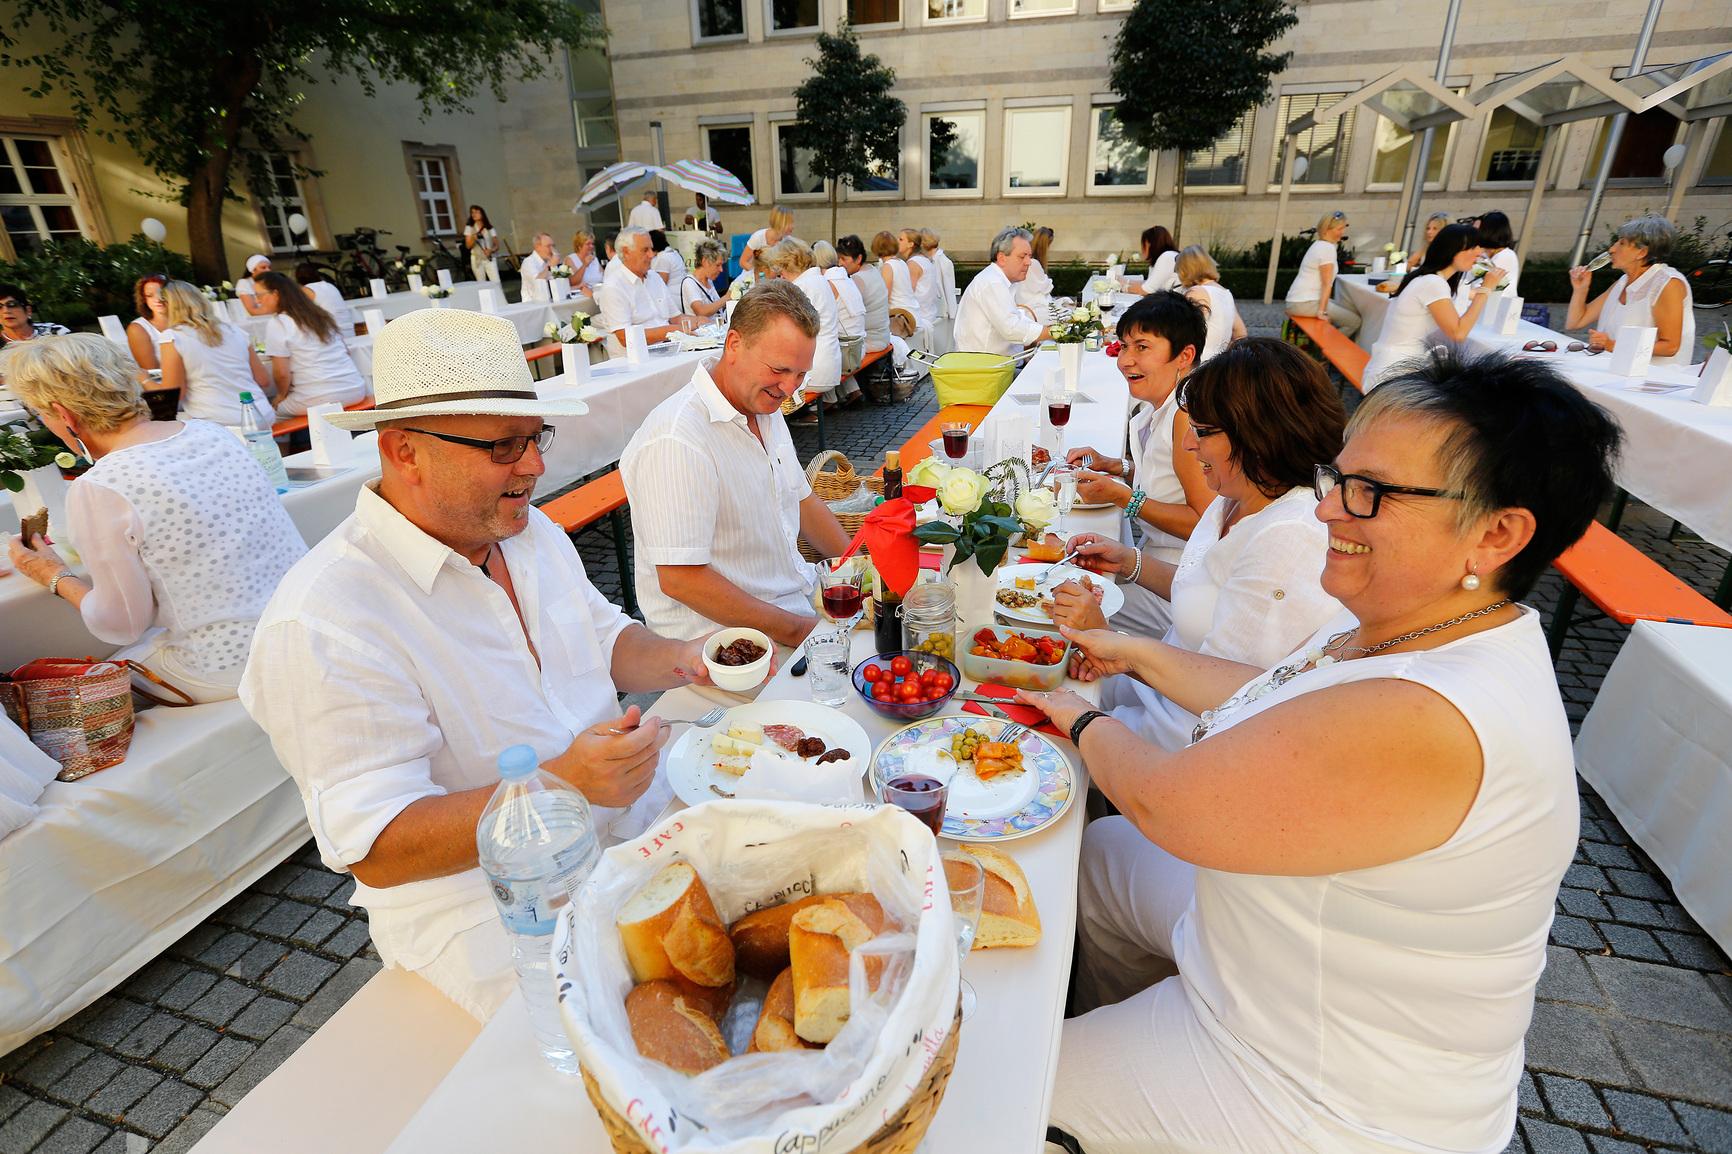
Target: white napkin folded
x: 774, y: 776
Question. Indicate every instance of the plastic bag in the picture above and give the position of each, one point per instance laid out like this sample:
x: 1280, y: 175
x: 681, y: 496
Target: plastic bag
x: 750, y: 855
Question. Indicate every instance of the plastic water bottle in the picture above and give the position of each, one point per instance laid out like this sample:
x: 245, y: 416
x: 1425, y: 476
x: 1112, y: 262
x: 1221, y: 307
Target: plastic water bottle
x: 262, y: 443
x: 537, y: 845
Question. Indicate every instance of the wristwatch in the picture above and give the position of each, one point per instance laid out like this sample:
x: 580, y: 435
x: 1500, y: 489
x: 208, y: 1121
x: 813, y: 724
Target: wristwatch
x: 1082, y: 723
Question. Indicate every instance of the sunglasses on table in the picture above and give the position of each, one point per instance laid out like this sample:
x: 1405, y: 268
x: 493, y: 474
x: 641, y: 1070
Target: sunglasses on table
x: 1362, y: 496
x: 504, y: 450
x: 1552, y: 347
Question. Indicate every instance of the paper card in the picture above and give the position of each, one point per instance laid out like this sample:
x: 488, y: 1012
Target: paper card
x: 375, y: 319
x: 1013, y: 435
x: 1509, y: 313
x: 113, y: 329
x: 576, y: 359
x: 489, y: 299
x: 1378, y: 266
x: 1633, y: 349
x: 445, y: 278
x: 416, y: 284
x: 377, y: 285
x: 636, y: 346
x: 332, y: 447
x: 561, y: 288
x: 1714, y: 387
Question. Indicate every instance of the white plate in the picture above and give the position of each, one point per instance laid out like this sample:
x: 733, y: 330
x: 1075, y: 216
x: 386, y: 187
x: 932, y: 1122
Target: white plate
x: 1112, y: 599
x: 691, y: 766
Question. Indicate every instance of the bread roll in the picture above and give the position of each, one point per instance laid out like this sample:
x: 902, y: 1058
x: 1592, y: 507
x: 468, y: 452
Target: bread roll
x: 820, y: 938
x: 670, y: 929
x: 670, y: 1030
x: 761, y: 938
x: 712, y: 1000
x: 1007, y: 913
x: 775, y: 1028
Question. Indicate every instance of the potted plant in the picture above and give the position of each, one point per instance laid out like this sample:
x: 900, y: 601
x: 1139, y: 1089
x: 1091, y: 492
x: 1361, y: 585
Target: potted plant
x: 988, y: 510
x: 1083, y: 325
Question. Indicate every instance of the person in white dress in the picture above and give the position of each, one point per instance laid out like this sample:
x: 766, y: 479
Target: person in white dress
x: 1161, y: 254
x: 1649, y: 293
x: 182, y: 535
x: 144, y: 331
x: 988, y: 319
x: 1495, y: 238
x: 310, y: 364
x: 899, y: 284
x: 923, y: 275
x: 645, y: 214
x: 697, y: 289
x: 1354, y: 864
x: 1035, y: 291
x: 1201, y: 279
x: 1247, y: 587
x: 1311, y: 293
x: 211, y: 362
x: 1423, y: 313
x: 791, y: 260
x: 327, y: 296
x: 246, y: 289
x: 932, y: 245
x: 482, y: 241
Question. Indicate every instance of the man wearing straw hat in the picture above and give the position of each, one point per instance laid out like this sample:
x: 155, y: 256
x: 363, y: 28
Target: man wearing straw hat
x: 444, y: 621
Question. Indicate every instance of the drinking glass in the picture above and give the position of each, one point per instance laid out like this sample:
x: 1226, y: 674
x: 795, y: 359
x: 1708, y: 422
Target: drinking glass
x: 1064, y: 489
x: 1058, y: 402
x: 967, y: 883
x: 920, y: 795
x: 827, y: 669
x: 842, y: 591
x: 955, y: 439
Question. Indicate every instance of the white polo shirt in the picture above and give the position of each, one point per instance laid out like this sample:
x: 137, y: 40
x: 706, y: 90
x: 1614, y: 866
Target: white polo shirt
x: 988, y: 321
x: 627, y: 299
x: 704, y: 492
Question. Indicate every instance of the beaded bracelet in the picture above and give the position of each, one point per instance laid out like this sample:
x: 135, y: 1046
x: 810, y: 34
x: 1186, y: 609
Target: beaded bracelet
x: 1135, y: 504
x: 1136, y: 570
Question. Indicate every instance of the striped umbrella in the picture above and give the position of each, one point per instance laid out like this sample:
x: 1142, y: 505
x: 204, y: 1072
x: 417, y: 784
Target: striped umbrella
x: 613, y: 182
x: 714, y: 181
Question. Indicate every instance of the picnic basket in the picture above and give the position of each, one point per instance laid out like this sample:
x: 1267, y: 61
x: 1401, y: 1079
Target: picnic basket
x: 833, y: 478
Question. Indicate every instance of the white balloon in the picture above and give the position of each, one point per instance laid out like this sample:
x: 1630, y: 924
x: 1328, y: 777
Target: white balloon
x: 297, y: 224
x: 1673, y: 157
x: 154, y: 229
x: 1301, y: 165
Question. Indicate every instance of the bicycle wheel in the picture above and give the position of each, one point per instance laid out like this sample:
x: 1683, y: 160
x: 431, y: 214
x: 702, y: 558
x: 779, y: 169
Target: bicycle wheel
x: 1711, y: 284
x: 459, y: 270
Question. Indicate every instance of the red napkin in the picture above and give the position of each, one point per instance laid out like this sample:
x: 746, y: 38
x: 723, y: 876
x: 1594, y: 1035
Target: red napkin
x: 888, y: 535
x: 1025, y: 714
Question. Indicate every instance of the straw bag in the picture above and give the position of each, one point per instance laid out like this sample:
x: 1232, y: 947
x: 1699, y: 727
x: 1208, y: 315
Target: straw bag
x: 79, y: 712
x: 837, y: 484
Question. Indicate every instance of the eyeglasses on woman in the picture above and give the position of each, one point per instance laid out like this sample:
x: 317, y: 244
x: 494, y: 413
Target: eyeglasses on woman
x: 1362, y: 496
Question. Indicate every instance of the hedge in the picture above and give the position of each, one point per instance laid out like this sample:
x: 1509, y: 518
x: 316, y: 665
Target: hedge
x: 75, y: 281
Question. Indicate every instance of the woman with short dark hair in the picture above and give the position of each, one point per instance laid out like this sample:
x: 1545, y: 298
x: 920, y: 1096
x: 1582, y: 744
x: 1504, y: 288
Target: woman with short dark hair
x: 310, y: 364
x: 17, y: 315
x: 1354, y: 863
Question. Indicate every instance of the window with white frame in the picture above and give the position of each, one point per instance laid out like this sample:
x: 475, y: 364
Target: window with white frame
x: 793, y: 15
x: 1116, y: 163
x: 719, y: 19
x: 1115, y: 5
x: 794, y: 175
x: 864, y: 13
x: 431, y: 173
x: 277, y: 192
x: 1041, y: 7
x: 1510, y: 149
x: 1223, y: 163
x: 730, y: 146
x: 1392, y: 150
x: 1324, y: 145
x: 1036, y: 150
x: 955, y: 142
x: 940, y: 11
x: 37, y: 204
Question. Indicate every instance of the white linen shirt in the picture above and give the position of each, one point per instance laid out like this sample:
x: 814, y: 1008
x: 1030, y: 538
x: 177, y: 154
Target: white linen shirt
x: 645, y: 215
x: 704, y: 492
x: 627, y: 299
x: 850, y: 306
x: 387, y: 668
x: 988, y: 321
x: 533, y: 267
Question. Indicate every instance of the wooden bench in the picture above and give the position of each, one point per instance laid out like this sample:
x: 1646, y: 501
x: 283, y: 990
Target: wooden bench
x: 290, y: 425
x: 1626, y: 586
x: 1336, y: 346
x: 817, y: 399
x: 577, y: 510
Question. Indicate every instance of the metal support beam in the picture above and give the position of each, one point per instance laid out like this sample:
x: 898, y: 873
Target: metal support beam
x: 1694, y: 134
x: 1614, y: 135
x: 1399, y: 226
x: 1548, y: 147
x: 1423, y: 162
x: 1280, y: 215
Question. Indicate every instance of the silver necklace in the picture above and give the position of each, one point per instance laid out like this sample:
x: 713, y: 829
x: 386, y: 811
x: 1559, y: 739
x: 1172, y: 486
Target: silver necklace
x: 1317, y: 657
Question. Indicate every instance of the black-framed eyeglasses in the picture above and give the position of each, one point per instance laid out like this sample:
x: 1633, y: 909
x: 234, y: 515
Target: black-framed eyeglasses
x: 504, y: 451
x: 1362, y: 496
x: 1202, y: 431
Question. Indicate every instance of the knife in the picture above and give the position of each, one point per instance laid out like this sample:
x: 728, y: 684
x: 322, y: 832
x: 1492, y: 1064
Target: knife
x: 990, y: 704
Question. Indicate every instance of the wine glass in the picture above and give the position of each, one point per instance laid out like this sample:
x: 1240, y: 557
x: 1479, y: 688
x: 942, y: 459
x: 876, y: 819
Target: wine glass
x: 1064, y: 490
x: 966, y: 880
x: 842, y: 592
x: 920, y: 794
x: 955, y: 439
x: 1058, y: 403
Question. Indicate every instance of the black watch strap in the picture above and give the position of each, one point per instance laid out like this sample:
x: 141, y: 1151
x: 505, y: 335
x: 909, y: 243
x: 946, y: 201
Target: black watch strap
x: 1082, y: 723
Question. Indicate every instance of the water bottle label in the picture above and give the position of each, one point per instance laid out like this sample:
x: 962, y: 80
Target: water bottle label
x: 527, y: 907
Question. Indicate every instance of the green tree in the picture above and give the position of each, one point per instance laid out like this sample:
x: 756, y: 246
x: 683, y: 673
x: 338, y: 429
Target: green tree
x: 191, y: 85
x: 847, y: 118
x: 1186, y: 71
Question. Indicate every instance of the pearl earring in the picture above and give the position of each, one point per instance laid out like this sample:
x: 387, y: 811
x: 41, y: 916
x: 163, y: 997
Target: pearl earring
x: 1471, y: 581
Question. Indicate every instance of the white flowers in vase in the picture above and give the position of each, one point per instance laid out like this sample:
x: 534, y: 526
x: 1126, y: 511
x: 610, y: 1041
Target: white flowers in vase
x: 570, y: 334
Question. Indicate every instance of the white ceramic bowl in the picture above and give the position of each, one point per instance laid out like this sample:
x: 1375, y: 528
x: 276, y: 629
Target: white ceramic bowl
x: 738, y: 678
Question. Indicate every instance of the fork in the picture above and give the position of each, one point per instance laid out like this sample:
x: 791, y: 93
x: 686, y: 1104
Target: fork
x: 1012, y: 733
x: 703, y: 722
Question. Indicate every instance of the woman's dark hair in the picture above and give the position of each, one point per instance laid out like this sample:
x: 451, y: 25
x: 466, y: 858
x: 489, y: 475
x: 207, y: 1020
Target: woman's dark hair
x: 1514, y: 435
x: 473, y: 209
x: 309, y: 274
x: 16, y: 293
x: 850, y: 246
x: 1174, y: 317
x: 1158, y: 240
x: 1441, y: 253
x: 1494, y: 230
x: 658, y: 240
x: 138, y: 291
x: 299, y: 307
x: 1276, y: 405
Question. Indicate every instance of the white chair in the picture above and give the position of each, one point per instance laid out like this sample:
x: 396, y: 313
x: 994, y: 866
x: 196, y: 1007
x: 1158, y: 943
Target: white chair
x: 113, y: 329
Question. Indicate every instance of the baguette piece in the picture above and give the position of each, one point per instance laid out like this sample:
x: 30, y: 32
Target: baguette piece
x: 670, y: 1030
x: 670, y: 929
x: 1007, y: 913
x: 820, y: 938
x: 761, y: 937
x: 775, y: 1028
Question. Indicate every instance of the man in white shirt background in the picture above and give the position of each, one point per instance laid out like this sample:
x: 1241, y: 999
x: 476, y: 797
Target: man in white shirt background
x: 989, y: 320
x: 645, y: 214
x: 257, y: 265
x: 627, y: 298
x: 445, y: 621
x: 718, y: 498
x: 535, y: 267
x: 703, y: 215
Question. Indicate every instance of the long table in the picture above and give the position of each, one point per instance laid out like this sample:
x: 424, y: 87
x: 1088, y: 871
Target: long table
x: 1372, y: 306
x: 1000, y: 1093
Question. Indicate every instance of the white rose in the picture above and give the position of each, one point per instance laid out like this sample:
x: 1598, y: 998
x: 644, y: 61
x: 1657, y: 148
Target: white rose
x: 1079, y: 314
x: 591, y: 334
x: 1037, y: 508
x: 961, y: 491
x: 929, y: 472
x: 550, y: 329
x: 227, y: 285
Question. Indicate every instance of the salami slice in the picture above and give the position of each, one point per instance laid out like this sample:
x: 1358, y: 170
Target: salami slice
x: 786, y: 736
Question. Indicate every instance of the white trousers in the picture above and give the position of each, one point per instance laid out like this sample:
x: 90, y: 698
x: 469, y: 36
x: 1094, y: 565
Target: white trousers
x: 474, y: 969
x: 482, y: 269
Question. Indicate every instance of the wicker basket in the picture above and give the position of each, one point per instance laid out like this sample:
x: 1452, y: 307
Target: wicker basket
x: 900, y: 1135
x: 833, y: 485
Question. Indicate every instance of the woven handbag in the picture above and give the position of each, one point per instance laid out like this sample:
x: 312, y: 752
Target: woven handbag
x: 79, y: 712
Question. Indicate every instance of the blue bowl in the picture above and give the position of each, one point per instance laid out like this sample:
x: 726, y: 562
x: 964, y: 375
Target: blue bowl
x: 905, y: 710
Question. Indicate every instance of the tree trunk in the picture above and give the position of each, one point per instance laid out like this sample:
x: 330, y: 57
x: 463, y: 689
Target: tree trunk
x: 1179, y: 199
x: 208, y: 178
x: 833, y: 185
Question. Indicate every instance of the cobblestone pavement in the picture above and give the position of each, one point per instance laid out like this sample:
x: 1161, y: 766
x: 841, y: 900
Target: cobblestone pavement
x: 1630, y: 1048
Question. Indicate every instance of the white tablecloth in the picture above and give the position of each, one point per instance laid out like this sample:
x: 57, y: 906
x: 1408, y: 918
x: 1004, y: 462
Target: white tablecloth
x: 1372, y: 306
x: 1657, y: 746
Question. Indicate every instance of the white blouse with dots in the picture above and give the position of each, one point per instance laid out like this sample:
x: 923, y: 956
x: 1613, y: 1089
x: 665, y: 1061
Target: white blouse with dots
x: 185, y: 534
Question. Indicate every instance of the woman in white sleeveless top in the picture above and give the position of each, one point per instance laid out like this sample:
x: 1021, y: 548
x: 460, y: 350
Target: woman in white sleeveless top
x: 181, y: 532
x: 212, y: 362
x: 144, y: 331
x: 898, y: 283
x: 1247, y: 586
x: 1354, y: 864
x: 1423, y: 313
x: 1201, y: 280
x: 1650, y: 293
x: 310, y: 364
x: 791, y: 260
x: 923, y: 275
x: 1312, y: 292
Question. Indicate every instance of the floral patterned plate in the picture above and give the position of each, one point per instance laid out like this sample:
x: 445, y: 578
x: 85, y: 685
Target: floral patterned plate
x: 1007, y: 807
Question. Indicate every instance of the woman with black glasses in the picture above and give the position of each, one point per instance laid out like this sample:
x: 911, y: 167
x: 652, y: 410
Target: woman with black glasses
x: 1353, y: 866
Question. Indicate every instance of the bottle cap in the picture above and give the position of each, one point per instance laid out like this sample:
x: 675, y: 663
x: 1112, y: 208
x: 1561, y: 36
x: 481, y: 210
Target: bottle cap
x: 246, y: 398
x: 892, y: 459
x: 518, y: 762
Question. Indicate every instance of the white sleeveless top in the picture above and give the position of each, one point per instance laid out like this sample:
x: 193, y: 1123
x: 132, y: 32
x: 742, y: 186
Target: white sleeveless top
x: 151, y: 331
x: 1394, y: 1000
x: 1222, y: 313
x: 926, y: 293
x: 1151, y: 441
x: 213, y: 536
x: 901, y: 286
x: 216, y: 377
x: 1639, y: 309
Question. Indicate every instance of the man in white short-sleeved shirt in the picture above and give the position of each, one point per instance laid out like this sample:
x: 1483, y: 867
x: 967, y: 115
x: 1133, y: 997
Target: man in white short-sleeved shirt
x: 645, y: 214
x: 536, y: 268
x: 443, y: 622
x: 989, y: 320
x: 718, y: 498
x: 626, y: 297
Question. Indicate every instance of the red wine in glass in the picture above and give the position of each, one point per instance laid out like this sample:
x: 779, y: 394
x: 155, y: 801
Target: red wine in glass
x: 1059, y: 411
x: 921, y: 796
x: 956, y: 444
x: 842, y: 602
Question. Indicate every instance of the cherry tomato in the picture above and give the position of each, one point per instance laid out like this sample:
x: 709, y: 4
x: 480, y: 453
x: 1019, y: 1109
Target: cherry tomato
x: 871, y: 673
x: 908, y: 691
x: 882, y: 691
x: 901, y: 666
x: 929, y: 677
x: 944, y: 683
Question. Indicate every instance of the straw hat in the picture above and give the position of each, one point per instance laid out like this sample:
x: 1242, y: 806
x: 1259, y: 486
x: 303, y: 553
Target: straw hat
x: 436, y: 362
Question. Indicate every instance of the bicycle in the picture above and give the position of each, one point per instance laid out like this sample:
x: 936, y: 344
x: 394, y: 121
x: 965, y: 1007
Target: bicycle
x: 1711, y: 281
x: 445, y: 257
x: 365, y: 261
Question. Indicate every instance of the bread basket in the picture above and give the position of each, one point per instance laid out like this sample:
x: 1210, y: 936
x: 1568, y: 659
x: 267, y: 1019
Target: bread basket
x: 833, y: 478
